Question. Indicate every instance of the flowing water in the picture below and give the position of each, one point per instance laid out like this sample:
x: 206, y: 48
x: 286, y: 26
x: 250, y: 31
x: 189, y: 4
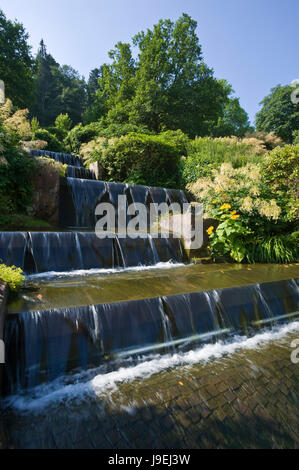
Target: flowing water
x: 120, y: 334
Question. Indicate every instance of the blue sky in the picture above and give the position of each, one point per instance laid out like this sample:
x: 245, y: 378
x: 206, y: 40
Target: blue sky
x: 253, y: 44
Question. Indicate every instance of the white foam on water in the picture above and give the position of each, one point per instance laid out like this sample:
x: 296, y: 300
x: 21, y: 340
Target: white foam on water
x: 91, y: 272
x: 92, y: 384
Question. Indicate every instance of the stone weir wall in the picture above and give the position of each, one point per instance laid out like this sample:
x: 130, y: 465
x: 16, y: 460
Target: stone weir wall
x: 45, y: 345
x: 3, y: 299
x: 38, y: 252
x: 70, y: 201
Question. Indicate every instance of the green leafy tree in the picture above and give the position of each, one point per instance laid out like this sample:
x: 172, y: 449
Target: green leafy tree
x: 168, y: 86
x: 63, y: 122
x: 45, y: 87
x: 95, y: 104
x: 117, y: 85
x: 234, y: 121
x: 279, y: 114
x: 59, y: 89
x: 16, y: 63
x: 71, y: 97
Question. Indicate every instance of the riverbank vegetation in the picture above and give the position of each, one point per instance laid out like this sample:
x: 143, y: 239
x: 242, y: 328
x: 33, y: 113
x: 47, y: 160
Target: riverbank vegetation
x: 12, y: 276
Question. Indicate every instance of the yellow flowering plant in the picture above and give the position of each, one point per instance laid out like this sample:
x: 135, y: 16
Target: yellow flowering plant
x: 249, y: 212
x: 230, y: 238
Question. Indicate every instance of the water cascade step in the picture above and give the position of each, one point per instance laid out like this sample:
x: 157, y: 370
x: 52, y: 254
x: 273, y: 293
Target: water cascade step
x: 80, y: 197
x: 39, y: 252
x: 64, y: 158
x: 81, y: 173
x: 44, y: 345
x: 51, y: 291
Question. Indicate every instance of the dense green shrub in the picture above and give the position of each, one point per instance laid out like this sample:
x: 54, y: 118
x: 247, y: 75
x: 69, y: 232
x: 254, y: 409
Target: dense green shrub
x: 206, y: 154
x: 280, y: 172
x: 296, y: 137
x: 83, y: 134
x: 152, y: 160
x: 58, y: 133
x: 53, y: 143
x: 12, y: 276
x: 63, y: 122
x: 15, y: 171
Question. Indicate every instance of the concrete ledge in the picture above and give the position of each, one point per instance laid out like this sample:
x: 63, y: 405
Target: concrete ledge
x: 3, y: 300
x: 96, y: 169
x: 178, y: 221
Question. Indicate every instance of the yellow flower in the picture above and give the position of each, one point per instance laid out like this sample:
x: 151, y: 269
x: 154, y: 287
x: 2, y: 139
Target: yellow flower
x: 225, y: 206
x: 234, y: 217
x: 233, y: 213
x: 210, y: 230
x: 214, y: 202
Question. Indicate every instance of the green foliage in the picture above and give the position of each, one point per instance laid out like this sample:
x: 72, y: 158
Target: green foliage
x: 139, y: 159
x: 58, y: 89
x: 274, y: 249
x: 61, y: 129
x: 16, y: 64
x: 280, y: 171
x: 95, y: 109
x: 15, y: 171
x: 34, y: 125
x: 296, y: 137
x: 206, y: 154
x: 168, y: 86
x: 80, y: 135
x: 12, y: 276
x: 25, y: 222
x: 58, y: 133
x: 53, y: 142
x: 230, y: 237
x: 279, y: 114
x: 63, y: 122
x: 15, y: 122
x: 83, y: 134
x: 234, y: 121
x: 251, y: 221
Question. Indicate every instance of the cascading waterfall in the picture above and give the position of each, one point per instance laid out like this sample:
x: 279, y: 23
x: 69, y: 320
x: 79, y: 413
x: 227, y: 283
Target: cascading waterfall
x: 13, y: 247
x: 80, y: 197
x: 58, y: 157
x: 45, y: 345
x: 40, y: 252
x: 82, y: 173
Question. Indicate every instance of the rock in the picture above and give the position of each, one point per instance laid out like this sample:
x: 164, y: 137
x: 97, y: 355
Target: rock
x: 46, y: 182
x: 176, y: 222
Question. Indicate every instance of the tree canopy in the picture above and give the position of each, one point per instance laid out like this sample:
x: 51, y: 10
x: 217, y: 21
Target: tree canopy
x: 168, y: 85
x: 17, y: 63
x: 279, y: 114
x: 158, y: 82
x: 58, y: 89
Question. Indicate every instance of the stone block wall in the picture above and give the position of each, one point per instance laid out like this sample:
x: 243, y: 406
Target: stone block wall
x: 46, y: 182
